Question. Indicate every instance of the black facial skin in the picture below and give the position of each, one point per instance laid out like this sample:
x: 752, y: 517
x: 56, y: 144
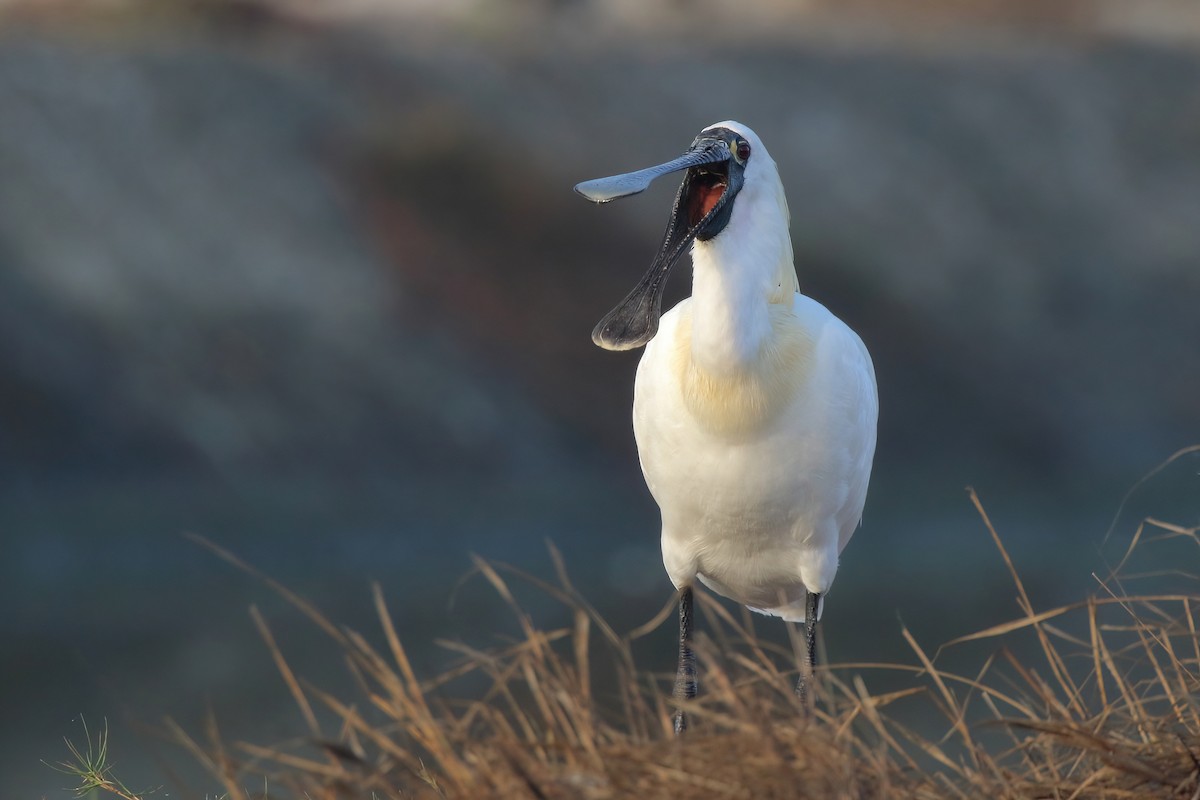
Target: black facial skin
x: 732, y: 171
x: 635, y: 320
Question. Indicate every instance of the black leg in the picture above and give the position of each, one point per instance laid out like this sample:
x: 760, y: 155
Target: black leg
x: 685, y: 677
x: 812, y: 601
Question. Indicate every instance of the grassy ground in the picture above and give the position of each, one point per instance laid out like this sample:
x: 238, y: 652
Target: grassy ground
x: 1103, y: 706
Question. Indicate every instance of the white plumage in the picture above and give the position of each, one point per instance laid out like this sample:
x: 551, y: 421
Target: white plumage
x: 754, y: 407
x: 755, y: 415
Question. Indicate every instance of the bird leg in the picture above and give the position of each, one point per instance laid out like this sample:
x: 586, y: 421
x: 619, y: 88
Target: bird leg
x: 812, y: 601
x: 685, y: 676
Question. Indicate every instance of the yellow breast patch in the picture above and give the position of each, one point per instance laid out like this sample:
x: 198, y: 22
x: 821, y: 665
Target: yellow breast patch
x: 747, y: 400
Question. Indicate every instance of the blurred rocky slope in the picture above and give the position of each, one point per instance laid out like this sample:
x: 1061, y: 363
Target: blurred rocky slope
x: 267, y: 244
x: 185, y: 281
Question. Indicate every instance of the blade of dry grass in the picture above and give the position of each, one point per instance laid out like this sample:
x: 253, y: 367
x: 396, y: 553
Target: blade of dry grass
x: 285, y: 671
x: 1178, y: 454
x: 306, y: 608
x: 1061, y: 674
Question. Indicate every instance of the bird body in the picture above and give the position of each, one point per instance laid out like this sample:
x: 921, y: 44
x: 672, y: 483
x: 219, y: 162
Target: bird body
x: 754, y: 413
x: 761, y: 473
x: 754, y: 407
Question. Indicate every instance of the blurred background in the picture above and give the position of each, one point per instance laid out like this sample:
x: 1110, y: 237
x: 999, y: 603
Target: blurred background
x: 309, y: 279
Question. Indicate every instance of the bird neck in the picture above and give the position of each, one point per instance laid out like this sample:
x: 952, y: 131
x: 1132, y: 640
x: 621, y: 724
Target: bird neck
x: 736, y: 277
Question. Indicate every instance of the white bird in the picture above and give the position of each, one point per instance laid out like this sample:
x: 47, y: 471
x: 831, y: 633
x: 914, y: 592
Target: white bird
x: 754, y: 407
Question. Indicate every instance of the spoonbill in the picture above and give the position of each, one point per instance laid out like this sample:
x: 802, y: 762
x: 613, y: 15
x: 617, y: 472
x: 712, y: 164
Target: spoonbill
x: 754, y: 407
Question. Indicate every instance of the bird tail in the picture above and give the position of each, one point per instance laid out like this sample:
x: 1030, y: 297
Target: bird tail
x: 793, y: 611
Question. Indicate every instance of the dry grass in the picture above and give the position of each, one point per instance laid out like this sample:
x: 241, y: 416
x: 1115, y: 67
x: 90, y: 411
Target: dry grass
x: 1104, y: 708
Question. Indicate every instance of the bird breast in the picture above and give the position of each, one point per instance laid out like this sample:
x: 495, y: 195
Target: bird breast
x: 752, y: 396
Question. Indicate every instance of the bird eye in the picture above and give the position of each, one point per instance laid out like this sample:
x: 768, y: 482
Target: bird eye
x: 743, y: 150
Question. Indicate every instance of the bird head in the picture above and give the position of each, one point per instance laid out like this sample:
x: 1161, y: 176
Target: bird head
x: 718, y: 165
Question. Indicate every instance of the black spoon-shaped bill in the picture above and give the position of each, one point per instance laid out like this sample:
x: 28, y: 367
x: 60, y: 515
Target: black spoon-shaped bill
x: 605, y: 190
x: 635, y: 320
